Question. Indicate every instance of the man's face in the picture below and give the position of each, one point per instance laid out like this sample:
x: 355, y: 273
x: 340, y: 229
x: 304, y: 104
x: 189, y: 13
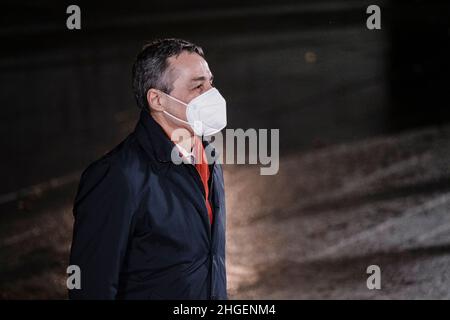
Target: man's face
x: 190, y: 77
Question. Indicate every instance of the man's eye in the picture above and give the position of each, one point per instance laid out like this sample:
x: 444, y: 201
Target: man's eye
x: 199, y: 86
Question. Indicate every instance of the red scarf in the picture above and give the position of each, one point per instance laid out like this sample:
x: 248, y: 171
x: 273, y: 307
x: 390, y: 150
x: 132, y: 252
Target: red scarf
x: 202, y: 167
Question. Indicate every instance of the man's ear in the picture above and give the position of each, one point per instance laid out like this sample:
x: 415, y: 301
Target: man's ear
x: 154, y: 99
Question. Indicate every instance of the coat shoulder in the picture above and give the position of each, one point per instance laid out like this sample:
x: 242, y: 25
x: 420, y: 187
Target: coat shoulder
x: 126, y: 166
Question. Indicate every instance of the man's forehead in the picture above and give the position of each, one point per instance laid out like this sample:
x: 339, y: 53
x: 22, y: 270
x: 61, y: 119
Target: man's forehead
x: 189, y: 66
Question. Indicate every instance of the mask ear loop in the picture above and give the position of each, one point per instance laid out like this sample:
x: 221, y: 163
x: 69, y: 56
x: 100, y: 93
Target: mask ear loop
x: 177, y: 100
x: 171, y: 115
x: 176, y: 118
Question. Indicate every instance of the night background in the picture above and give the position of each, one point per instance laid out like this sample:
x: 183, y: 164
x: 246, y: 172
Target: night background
x: 364, y: 123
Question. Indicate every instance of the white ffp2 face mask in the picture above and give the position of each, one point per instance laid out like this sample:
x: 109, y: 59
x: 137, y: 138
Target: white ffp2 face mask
x: 206, y: 113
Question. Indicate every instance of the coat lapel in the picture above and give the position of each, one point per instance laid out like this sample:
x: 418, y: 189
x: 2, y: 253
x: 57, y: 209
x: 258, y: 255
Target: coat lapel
x: 159, y: 148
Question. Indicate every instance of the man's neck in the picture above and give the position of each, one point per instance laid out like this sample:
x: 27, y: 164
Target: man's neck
x: 184, y: 138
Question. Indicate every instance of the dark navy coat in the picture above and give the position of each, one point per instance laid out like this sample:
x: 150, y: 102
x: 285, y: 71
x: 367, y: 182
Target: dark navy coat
x: 141, y: 227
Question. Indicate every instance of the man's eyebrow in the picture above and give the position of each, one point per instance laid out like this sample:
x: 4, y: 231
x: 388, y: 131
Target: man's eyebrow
x: 201, y: 78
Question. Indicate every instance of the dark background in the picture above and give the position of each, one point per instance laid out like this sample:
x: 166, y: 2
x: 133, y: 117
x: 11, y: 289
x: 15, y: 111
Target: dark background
x: 66, y: 93
x: 310, y: 68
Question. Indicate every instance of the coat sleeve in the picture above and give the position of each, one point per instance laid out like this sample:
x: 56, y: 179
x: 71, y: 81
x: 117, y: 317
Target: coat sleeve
x: 103, y: 212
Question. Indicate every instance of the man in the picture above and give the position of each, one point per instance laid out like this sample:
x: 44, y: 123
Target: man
x: 146, y: 227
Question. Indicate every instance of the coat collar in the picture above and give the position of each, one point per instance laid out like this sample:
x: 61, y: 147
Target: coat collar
x: 154, y: 140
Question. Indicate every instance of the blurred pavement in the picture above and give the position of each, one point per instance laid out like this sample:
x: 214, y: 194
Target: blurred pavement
x: 309, y: 232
